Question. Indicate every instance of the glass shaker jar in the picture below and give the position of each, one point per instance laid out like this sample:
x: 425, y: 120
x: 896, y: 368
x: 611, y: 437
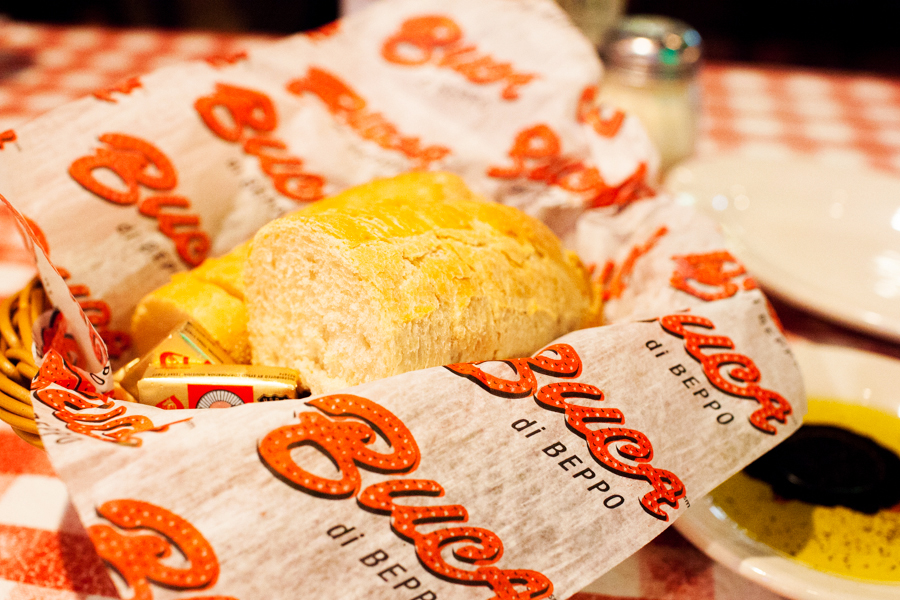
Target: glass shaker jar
x: 651, y: 71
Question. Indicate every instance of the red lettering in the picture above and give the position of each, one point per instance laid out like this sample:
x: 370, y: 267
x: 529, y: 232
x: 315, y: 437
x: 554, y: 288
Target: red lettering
x: 348, y: 106
x: 245, y: 109
x: 153, y: 205
x: 615, y: 280
x: 59, y: 346
x: 710, y: 271
x: 481, y: 548
x: 438, y: 40
x: 139, y: 557
x: 238, y: 114
x: 123, y: 87
x: 520, y: 387
x: 79, y: 394
x: 566, y: 364
x: 55, y: 335
x: 537, y: 155
x: 338, y: 96
x: 418, y: 38
x: 61, y: 399
x: 221, y: 60
x: 99, y: 316
x: 667, y: 488
x: 589, y: 113
x: 535, y: 143
x: 174, y: 359
x: 743, y: 370
x: 134, y: 161
x: 137, y: 163
x: 352, y: 423
x: 344, y: 441
x: 6, y: 137
x: 325, y: 31
x: 116, y: 342
x: 286, y: 172
x: 113, y: 426
x: 634, y: 187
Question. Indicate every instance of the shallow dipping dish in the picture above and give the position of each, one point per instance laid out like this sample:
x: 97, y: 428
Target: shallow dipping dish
x: 857, y: 390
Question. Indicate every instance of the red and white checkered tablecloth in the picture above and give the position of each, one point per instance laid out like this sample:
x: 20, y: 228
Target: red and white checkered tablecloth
x: 839, y: 119
x: 44, y: 551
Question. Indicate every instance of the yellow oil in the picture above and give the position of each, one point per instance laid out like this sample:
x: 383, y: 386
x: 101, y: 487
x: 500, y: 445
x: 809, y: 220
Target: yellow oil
x: 835, y: 540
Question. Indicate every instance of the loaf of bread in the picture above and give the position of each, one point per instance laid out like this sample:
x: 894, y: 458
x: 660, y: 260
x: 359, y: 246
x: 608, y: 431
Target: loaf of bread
x: 406, y: 273
x: 211, y: 295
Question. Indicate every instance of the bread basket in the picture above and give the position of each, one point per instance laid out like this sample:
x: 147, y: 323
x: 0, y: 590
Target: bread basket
x: 17, y: 314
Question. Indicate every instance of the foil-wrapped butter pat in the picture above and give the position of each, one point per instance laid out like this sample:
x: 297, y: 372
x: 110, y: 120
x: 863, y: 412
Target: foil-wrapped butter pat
x: 187, y: 344
x: 215, y: 386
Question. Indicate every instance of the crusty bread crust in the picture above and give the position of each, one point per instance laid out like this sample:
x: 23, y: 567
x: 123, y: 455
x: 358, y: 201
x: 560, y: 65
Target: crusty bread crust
x: 188, y: 297
x: 211, y: 295
x: 407, y: 273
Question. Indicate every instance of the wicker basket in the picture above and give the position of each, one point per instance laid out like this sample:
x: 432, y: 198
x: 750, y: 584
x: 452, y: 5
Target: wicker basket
x: 17, y: 368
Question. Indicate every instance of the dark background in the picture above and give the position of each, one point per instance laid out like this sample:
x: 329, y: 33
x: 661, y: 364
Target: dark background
x: 860, y: 35
x: 260, y: 16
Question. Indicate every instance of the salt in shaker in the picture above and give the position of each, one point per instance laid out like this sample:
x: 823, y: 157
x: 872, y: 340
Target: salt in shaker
x: 651, y: 71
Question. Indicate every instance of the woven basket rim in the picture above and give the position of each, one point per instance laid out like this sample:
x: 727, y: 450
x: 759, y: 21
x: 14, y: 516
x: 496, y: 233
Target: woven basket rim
x: 18, y: 313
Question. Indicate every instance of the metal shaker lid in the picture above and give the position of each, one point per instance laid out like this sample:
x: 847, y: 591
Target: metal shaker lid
x: 652, y: 45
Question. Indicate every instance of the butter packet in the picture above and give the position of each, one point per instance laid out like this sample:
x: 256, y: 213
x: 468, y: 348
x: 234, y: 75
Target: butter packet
x: 215, y: 386
x: 187, y: 344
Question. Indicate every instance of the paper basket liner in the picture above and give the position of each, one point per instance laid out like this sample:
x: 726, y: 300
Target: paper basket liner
x: 524, y: 478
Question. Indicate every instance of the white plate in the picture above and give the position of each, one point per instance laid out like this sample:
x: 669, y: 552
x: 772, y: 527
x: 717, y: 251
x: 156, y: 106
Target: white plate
x: 822, y: 237
x: 829, y: 372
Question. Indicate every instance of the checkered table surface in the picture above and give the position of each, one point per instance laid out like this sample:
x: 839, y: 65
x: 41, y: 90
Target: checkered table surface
x: 44, y: 551
x: 838, y: 119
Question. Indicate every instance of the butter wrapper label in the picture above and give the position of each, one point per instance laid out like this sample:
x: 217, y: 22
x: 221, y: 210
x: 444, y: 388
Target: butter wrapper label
x: 187, y: 344
x: 215, y: 386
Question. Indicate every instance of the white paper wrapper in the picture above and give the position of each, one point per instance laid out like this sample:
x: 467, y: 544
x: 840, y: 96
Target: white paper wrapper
x: 344, y: 115
x: 563, y: 503
x: 526, y: 478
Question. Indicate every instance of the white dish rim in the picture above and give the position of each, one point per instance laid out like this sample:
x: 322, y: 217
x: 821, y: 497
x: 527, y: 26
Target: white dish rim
x: 722, y: 541
x: 778, y: 279
x: 779, y: 283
